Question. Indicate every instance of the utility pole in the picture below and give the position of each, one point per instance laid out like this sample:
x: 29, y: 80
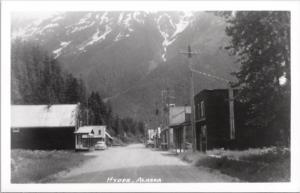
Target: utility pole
x: 230, y: 98
x: 164, y: 110
x: 192, y: 94
x: 167, y: 97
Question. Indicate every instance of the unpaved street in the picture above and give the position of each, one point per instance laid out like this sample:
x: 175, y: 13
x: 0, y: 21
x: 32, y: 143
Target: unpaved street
x: 135, y: 163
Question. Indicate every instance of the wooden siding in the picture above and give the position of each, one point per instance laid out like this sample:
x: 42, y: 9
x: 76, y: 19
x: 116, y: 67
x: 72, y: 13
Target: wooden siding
x: 217, y: 120
x: 43, y: 138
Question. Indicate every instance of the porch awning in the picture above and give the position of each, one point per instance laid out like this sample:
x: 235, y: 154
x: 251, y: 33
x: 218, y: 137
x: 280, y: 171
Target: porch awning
x: 108, y: 135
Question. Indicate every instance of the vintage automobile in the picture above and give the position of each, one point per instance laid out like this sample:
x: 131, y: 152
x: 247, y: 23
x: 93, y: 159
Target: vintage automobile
x: 100, y: 145
x: 150, y: 143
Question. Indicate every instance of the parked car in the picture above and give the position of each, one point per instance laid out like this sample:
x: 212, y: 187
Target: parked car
x: 100, y: 145
x: 150, y: 143
x: 188, y: 145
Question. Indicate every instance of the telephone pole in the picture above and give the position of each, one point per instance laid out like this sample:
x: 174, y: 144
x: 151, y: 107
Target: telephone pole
x: 230, y: 99
x: 192, y: 94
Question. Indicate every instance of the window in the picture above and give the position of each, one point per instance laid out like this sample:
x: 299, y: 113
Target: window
x: 204, y: 131
x: 232, y: 129
x: 198, y: 115
x: 99, y: 132
x: 202, y: 109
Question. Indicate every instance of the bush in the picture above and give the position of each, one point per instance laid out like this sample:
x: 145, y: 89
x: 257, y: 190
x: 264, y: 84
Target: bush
x: 252, y: 165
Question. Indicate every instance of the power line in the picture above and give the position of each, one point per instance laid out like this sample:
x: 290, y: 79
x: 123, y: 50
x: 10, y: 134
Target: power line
x: 210, y: 75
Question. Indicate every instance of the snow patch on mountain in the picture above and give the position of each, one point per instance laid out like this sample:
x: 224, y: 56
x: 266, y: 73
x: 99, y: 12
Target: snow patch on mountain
x: 138, y: 17
x: 84, y: 19
x: 169, y: 25
x: 58, y: 51
x: 120, y: 18
x: 183, y: 23
x: 165, y: 34
x: 128, y: 19
x: 170, y: 33
x: 98, y: 36
x: 57, y: 18
x: 80, y: 28
x: 47, y: 27
x: 104, y: 18
x: 121, y: 36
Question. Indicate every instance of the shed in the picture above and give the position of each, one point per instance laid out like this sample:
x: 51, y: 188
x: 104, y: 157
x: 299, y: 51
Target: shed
x: 43, y: 126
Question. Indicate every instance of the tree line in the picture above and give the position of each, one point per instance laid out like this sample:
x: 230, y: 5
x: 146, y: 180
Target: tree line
x: 261, y: 42
x: 38, y: 78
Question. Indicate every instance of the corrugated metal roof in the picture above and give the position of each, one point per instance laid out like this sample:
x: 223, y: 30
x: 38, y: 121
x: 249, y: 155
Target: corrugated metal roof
x: 28, y: 116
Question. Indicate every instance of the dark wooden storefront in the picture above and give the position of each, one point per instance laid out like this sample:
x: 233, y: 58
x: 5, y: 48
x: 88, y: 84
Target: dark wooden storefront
x: 213, y: 127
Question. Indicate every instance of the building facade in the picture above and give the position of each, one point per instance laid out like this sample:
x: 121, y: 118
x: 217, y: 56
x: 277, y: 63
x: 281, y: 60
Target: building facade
x: 219, y: 119
x: 178, y: 133
x: 44, y: 126
x: 87, y: 136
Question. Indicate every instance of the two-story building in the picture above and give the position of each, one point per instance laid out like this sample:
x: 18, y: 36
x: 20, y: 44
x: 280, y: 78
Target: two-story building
x: 178, y: 133
x: 219, y: 119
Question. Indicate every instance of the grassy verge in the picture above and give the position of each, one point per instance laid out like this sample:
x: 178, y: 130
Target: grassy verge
x: 253, y: 165
x: 29, y: 166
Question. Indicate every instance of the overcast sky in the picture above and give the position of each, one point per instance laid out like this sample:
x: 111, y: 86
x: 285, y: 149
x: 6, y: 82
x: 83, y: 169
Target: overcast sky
x: 31, y: 15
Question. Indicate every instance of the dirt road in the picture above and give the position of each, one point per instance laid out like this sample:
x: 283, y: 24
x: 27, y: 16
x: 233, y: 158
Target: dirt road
x: 138, y: 164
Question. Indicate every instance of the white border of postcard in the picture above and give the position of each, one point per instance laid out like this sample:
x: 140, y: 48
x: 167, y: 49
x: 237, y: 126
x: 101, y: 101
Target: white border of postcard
x: 43, y: 6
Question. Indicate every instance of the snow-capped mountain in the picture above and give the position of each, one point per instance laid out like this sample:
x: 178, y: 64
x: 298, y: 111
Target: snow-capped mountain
x: 99, y: 26
x: 129, y: 57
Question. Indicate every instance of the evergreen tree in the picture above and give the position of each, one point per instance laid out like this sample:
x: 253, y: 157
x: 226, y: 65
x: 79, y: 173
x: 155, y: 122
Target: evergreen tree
x: 261, y: 41
x: 37, y: 77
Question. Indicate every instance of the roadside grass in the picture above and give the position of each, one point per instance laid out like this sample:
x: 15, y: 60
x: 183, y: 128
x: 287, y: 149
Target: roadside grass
x: 34, y: 166
x: 252, y: 165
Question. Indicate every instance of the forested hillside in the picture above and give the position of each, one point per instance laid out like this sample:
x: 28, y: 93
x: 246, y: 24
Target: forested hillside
x: 38, y: 78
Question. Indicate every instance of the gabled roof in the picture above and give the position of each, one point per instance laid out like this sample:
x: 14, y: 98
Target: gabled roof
x: 94, y: 130
x: 85, y: 129
x: 30, y: 116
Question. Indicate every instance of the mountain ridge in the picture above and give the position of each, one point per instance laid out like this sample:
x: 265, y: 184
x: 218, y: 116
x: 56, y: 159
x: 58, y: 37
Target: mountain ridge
x: 129, y: 57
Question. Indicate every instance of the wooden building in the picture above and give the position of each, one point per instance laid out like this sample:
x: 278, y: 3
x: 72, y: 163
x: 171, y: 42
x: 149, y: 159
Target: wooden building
x: 44, y: 126
x: 87, y: 136
x: 178, y: 133
x: 219, y: 121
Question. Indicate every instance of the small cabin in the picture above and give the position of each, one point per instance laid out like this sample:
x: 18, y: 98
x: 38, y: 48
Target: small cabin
x: 87, y: 136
